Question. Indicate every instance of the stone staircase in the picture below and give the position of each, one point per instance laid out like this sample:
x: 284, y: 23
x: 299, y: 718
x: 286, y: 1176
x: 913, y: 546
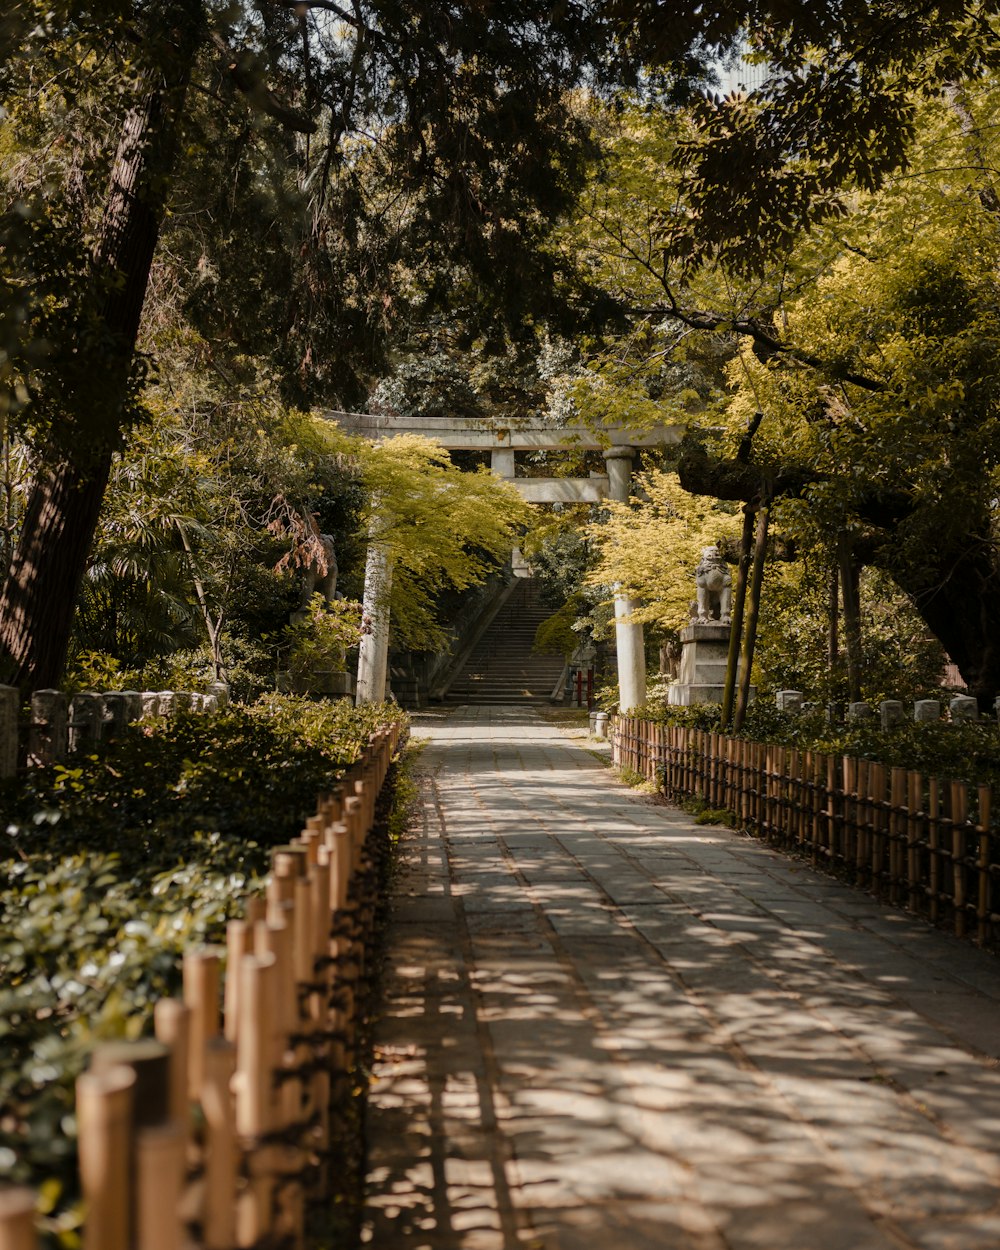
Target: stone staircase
x: 502, y: 668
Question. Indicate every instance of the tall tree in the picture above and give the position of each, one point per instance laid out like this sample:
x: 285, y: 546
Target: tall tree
x: 459, y: 109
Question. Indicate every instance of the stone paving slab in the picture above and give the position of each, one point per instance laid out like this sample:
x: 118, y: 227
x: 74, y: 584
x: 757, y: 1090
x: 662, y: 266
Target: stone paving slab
x: 607, y: 1027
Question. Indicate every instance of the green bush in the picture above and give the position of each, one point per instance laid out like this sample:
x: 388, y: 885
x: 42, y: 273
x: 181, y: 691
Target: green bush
x: 117, y: 862
x: 967, y: 752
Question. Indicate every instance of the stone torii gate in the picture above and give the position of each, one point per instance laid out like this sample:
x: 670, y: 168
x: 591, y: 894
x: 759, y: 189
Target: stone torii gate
x: 504, y: 441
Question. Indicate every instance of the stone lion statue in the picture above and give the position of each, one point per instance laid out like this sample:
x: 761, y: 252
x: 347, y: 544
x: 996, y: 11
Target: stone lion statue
x: 714, y: 587
x: 320, y: 574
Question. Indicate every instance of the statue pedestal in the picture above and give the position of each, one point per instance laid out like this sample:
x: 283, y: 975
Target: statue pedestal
x: 702, y: 678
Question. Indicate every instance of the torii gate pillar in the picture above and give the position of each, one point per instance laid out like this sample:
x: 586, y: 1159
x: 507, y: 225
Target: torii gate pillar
x: 629, y: 642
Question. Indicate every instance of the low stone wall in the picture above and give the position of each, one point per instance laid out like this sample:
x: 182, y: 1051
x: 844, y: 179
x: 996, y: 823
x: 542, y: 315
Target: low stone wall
x: 961, y: 708
x: 59, y: 724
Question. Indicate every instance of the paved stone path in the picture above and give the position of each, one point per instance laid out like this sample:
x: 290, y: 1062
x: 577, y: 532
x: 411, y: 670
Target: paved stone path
x: 608, y: 1028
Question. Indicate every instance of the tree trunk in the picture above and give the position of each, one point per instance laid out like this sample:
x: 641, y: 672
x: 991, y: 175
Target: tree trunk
x: 736, y: 626
x: 959, y: 599
x: 850, y: 580
x: 750, y: 633
x: 40, y: 590
x: 955, y: 589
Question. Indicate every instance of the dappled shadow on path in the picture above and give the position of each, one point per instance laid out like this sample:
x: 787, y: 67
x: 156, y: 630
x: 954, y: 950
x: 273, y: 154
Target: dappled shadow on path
x: 608, y: 1028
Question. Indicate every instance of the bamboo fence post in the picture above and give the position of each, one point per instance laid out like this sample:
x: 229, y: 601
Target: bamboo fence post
x: 104, y: 1120
x: 239, y: 942
x: 831, y: 806
x: 253, y: 1079
x: 338, y: 839
x: 794, y: 832
x: 914, y: 813
x: 983, y: 908
x: 354, y: 818
x: 160, y: 1166
x: 863, y: 859
x: 172, y: 1027
x: 303, y: 955
x: 898, y: 833
x: 17, y: 1219
x: 201, y: 997
x: 253, y: 1086
x: 959, y: 809
x: 221, y: 1157
x: 874, y: 796
x: 934, y: 845
x: 848, y: 830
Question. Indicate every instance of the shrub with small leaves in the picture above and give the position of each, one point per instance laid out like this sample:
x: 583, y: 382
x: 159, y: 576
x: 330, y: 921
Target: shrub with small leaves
x: 114, y: 865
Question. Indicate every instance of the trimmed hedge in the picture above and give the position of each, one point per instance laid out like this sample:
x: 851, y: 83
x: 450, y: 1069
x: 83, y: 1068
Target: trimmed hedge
x: 968, y: 751
x: 116, y: 863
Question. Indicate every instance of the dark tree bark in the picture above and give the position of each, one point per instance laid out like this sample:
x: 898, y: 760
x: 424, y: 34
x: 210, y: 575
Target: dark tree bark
x: 736, y: 627
x: 833, y: 637
x: 954, y: 586
x: 752, y: 612
x: 38, y: 597
x: 851, y: 592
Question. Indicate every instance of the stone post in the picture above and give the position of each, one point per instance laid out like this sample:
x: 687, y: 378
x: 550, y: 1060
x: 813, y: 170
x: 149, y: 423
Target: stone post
x: 86, y: 714
x: 926, y: 710
x: 221, y: 691
x: 373, y: 652
x: 964, y: 708
x: 49, y: 739
x: 117, y: 708
x: 132, y: 703
x: 502, y: 462
x: 860, y: 712
x: 891, y: 712
x: 629, y: 642
x: 9, y: 705
x: 789, y: 701
x: 150, y: 701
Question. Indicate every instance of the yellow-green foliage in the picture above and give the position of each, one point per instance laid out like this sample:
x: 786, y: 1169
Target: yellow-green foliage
x: 651, y: 546
x: 442, y: 527
x: 555, y: 635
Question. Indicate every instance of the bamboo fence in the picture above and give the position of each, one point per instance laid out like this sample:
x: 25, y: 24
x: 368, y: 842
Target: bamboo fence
x: 216, y: 1133
x: 916, y: 841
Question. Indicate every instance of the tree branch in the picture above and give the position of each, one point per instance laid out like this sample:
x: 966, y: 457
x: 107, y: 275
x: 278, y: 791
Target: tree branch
x: 246, y: 72
x: 764, y: 338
